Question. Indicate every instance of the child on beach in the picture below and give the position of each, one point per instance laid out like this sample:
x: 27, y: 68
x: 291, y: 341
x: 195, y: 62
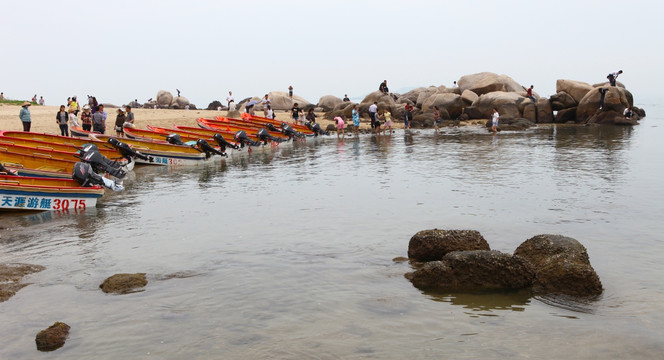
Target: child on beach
x: 356, y: 119
x: 295, y: 114
x: 311, y: 117
x: 377, y: 124
x: 436, y: 119
x: 61, y: 119
x: 119, y: 123
x: 340, y: 126
x: 407, y: 116
x: 387, y: 116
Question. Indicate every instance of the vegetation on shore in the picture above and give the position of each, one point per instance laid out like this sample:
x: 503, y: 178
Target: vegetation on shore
x: 14, y: 102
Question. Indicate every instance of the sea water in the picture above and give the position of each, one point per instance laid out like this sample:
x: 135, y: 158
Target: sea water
x: 287, y: 253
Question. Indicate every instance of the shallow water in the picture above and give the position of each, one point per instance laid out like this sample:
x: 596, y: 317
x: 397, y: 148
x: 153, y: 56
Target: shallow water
x: 288, y: 253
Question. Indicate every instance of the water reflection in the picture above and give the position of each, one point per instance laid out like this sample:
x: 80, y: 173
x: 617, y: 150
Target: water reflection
x: 485, y: 304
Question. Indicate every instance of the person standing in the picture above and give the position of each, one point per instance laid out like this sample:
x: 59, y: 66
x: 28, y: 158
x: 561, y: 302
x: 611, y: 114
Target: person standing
x: 383, y: 87
x: 407, y: 116
x: 373, y: 111
x: 270, y: 114
x: 119, y: 123
x: 436, y: 119
x: 602, y: 95
x: 41, y: 101
x: 74, y: 105
x: 529, y: 93
x: 34, y: 98
x: 2, y: 95
x: 61, y: 118
x: 290, y: 92
x: 356, y: 119
x: 387, y: 116
x: 24, y: 115
x: 494, y: 121
x: 265, y: 102
x: 129, y: 117
x: 296, y: 112
x: 99, y: 120
x: 229, y: 99
x: 613, y: 76
x: 86, y: 118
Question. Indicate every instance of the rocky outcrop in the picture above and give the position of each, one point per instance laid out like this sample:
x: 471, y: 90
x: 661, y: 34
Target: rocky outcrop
x: 561, y: 265
x: 479, y: 270
x: 425, y: 94
x: 344, y: 109
x: 329, y: 102
x: 562, y: 100
x: 216, y: 105
x: 448, y: 101
x: 180, y: 102
x: 507, y: 103
x: 164, y: 99
x: 430, y: 245
x: 10, y: 278
x: 124, y: 283
x: 544, y: 111
x: 616, y: 100
x: 279, y: 100
x: 566, y: 115
x: 411, y: 96
x: 53, y: 337
x: 576, y: 89
x: 468, y: 97
x: 487, y: 82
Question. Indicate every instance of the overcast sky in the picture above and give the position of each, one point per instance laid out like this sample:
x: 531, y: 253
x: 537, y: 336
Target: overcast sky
x: 122, y: 50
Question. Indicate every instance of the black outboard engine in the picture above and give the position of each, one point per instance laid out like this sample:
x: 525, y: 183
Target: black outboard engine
x: 127, y: 151
x: 317, y: 129
x: 207, y: 149
x: 272, y: 127
x: 85, y: 175
x: 242, y: 138
x: 174, y: 139
x: 5, y: 171
x: 290, y: 132
x: 223, y: 144
x: 89, y: 153
x: 264, y: 135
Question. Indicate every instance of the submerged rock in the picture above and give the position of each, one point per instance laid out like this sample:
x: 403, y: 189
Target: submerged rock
x: 478, y: 270
x: 53, y: 337
x: 561, y: 265
x: 430, y: 245
x: 10, y: 278
x: 124, y: 283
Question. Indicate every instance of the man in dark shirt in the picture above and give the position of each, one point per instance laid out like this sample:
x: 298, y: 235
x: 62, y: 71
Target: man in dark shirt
x: 383, y: 87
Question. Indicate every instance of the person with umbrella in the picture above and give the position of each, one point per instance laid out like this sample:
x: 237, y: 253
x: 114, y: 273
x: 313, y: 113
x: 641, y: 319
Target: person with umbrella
x: 249, y: 108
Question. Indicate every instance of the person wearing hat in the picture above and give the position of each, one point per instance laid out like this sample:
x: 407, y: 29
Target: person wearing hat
x: 119, y: 122
x: 24, y: 115
x: 86, y: 118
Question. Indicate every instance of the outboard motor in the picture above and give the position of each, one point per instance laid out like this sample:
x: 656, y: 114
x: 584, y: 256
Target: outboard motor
x: 271, y: 127
x: 223, y: 144
x: 289, y: 131
x: 127, y: 151
x: 242, y: 138
x: 207, y: 149
x: 264, y: 135
x: 5, y: 171
x: 89, y: 153
x: 317, y: 129
x: 85, y: 175
x: 174, y: 139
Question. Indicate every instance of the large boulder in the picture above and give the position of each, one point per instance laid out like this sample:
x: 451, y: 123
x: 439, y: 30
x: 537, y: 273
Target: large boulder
x: 487, y: 82
x: 576, y: 89
x: 430, y: 245
x: 279, y: 100
x: 216, y: 105
x: 329, y: 102
x: 566, y: 115
x: 468, y: 97
x: 530, y: 112
x: 616, y: 100
x: 561, y: 265
x: 385, y: 101
x: 411, y: 96
x: 344, y: 109
x: 425, y: 94
x: 507, y: 103
x: 124, y: 283
x: 544, y: 111
x: 611, y: 117
x: 164, y: 98
x: 448, y: 101
x: 562, y: 100
x: 479, y: 270
x: 180, y: 102
x: 53, y: 337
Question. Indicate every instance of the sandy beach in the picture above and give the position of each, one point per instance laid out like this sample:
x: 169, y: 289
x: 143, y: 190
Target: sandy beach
x: 43, y: 118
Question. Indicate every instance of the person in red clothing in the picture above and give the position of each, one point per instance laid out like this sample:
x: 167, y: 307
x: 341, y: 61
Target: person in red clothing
x: 530, y: 93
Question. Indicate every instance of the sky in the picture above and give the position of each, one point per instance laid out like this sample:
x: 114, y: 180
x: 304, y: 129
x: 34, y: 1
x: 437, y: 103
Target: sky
x: 123, y: 50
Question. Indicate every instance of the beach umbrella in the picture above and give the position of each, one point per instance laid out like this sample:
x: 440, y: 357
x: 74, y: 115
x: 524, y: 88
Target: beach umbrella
x: 252, y: 102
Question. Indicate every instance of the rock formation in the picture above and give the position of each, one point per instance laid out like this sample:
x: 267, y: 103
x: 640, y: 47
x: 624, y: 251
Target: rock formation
x: 164, y: 99
x: 124, y: 283
x: 430, y: 245
x: 53, y: 337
